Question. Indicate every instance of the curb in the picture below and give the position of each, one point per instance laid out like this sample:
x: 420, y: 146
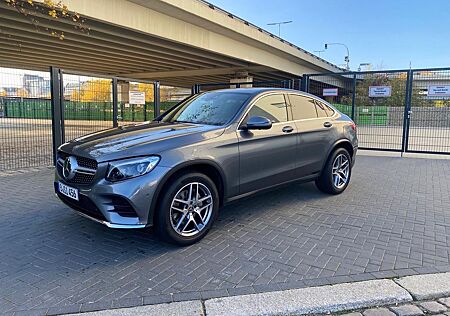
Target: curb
x: 312, y: 300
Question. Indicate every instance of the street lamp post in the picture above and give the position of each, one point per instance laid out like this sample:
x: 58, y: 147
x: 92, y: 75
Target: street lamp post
x: 279, y: 25
x: 347, y: 57
x: 364, y: 65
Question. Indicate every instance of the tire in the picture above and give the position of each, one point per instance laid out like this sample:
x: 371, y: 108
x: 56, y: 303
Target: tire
x: 327, y: 182
x: 185, y: 223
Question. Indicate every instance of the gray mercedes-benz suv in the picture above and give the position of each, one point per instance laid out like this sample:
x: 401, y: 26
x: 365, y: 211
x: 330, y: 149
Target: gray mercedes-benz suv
x: 176, y: 171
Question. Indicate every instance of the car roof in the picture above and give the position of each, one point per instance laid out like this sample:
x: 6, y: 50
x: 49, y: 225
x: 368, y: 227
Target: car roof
x: 256, y: 91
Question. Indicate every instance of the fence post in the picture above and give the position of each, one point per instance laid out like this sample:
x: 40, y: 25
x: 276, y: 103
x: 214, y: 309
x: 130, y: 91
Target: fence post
x: 354, y: 98
x: 292, y: 83
x: 157, y: 99
x: 409, y: 86
x: 115, y: 99
x: 305, y: 83
x: 145, y: 112
x: 5, y: 109
x: 57, y: 110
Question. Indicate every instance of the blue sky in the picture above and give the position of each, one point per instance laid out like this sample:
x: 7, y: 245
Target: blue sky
x: 386, y: 33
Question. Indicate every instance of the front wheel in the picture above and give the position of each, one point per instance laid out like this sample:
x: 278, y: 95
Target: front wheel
x: 188, y: 209
x: 335, y: 176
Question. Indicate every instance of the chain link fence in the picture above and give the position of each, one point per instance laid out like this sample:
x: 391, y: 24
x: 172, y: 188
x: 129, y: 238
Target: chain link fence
x: 405, y: 110
x: 25, y: 119
x: 87, y: 103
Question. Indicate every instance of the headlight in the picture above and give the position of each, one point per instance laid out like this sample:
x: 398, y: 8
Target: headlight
x: 131, y: 168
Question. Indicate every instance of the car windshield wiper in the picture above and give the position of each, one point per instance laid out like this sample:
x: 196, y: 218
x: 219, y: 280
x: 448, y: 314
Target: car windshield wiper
x: 199, y: 122
x: 176, y: 121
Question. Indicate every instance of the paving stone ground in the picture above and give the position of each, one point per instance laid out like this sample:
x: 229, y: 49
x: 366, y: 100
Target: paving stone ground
x: 418, y: 308
x: 393, y: 220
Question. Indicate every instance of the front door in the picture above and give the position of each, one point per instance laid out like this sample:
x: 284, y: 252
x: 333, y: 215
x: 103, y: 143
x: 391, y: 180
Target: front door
x: 267, y: 157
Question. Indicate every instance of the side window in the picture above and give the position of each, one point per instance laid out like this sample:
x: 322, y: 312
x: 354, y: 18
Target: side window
x: 302, y: 107
x: 322, y: 109
x: 272, y: 106
x: 330, y: 111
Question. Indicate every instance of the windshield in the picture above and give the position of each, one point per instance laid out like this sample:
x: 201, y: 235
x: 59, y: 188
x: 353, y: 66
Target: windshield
x: 211, y: 108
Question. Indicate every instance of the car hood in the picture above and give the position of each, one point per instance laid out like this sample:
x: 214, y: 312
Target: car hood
x: 139, y: 140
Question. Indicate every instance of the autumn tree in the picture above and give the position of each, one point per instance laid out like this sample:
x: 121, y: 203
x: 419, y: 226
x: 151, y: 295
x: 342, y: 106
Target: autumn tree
x: 96, y: 90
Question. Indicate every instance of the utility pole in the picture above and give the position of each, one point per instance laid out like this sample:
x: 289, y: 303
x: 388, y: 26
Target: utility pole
x: 279, y: 26
x: 319, y: 51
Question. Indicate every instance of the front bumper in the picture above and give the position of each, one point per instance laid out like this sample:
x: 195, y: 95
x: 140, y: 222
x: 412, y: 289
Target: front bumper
x: 104, y: 202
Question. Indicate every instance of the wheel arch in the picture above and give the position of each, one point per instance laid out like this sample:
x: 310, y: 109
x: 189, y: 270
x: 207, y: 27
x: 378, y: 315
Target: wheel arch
x: 341, y: 143
x: 207, y: 167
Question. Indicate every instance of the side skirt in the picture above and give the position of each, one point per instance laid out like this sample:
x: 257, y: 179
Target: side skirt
x: 302, y: 180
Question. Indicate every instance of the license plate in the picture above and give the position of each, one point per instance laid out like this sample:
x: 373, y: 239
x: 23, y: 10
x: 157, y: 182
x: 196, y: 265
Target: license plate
x: 68, y: 191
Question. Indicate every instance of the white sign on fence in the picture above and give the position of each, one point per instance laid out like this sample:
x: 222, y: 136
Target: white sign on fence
x: 380, y: 91
x: 137, y: 97
x: 330, y: 92
x: 437, y: 91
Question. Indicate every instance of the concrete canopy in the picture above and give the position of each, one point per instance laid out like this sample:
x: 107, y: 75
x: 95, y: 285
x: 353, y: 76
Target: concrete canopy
x: 178, y: 42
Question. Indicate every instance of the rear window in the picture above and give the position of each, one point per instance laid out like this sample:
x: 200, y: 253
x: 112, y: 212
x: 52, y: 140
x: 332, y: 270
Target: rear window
x: 323, y: 110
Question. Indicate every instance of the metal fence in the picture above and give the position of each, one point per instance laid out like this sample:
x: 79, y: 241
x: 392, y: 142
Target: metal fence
x: 41, y: 110
x: 25, y: 124
x: 396, y: 110
x: 404, y: 110
x: 401, y: 110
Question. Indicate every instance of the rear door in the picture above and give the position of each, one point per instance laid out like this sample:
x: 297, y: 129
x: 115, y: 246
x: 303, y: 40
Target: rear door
x: 267, y: 157
x: 313, y: 134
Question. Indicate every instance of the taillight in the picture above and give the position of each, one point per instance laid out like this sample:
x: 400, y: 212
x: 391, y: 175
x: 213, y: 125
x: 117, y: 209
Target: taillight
x: 353, y: 126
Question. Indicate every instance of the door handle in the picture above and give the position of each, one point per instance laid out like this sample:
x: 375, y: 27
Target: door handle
x: 327, y: 124
x: 287, y: 129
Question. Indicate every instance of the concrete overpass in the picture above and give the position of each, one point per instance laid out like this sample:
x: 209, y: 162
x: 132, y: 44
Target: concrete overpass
x: 178, y: 42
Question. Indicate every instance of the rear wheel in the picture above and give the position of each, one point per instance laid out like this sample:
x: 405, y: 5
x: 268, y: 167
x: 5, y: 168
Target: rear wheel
x: 335, y: 176
x: 188, y: 209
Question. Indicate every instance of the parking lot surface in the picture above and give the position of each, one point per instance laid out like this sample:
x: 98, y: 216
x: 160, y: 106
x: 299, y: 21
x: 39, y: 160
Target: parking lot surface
x: 393, y: 220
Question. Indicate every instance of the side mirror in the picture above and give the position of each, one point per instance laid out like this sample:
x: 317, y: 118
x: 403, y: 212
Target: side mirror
x: 258, y: 122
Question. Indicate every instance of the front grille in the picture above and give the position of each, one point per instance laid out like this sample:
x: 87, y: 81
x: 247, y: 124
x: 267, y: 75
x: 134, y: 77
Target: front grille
x: 84, y: 176
x: 81, y: 178
x: 87, y: 163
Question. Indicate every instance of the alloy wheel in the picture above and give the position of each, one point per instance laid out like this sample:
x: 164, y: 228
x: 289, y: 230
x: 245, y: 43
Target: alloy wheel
x: 341, y: 171
x: 191, y: 209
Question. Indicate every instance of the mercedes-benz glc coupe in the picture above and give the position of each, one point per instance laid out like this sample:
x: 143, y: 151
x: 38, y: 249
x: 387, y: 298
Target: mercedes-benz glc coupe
x: 175, y: 172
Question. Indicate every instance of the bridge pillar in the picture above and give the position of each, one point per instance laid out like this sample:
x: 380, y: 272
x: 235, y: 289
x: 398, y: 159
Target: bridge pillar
x: 241, y: 80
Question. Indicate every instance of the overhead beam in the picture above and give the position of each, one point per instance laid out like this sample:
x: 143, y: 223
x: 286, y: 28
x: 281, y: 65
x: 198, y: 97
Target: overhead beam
x: 30, y: 48
x: 195, y: 25
x: 122, y: 44
x: 194, y: 72
x: 114, y: 34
